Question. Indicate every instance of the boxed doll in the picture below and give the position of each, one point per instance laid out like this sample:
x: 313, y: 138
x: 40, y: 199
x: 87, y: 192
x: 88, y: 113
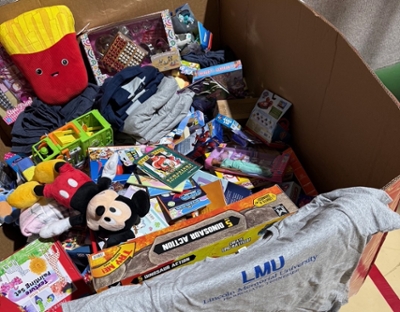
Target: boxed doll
x: 268, y: 165
x: 146, y: 40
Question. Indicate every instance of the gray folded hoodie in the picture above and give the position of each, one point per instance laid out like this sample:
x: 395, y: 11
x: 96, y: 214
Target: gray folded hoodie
x: 158, y: 115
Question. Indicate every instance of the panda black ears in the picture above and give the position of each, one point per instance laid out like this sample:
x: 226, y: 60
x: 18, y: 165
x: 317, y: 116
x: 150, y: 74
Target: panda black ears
x: 142, y: 203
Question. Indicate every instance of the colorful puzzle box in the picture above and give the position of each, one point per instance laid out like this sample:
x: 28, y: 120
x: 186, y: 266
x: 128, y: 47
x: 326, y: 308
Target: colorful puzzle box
x: 40, y: 276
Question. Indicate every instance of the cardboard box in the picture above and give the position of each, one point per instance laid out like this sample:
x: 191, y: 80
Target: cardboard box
x: 238, y: 109
x: 292, y: 189
x: 346, y: 123
x: 214, y: 234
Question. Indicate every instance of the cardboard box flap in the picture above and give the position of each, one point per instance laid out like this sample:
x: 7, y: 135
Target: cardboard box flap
x: 344, y: 122
x: 102, y: 12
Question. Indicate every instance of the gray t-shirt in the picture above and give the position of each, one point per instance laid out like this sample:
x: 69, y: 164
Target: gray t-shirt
x: 302, y: 263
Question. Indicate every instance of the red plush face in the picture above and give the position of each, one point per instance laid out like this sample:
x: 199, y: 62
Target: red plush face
x: 57, y: 74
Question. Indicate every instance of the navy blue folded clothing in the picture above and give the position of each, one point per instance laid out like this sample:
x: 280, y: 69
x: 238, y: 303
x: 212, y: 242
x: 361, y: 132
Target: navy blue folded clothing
x: 206, y: 59
x: 129, y: 87
x: 40, y: 118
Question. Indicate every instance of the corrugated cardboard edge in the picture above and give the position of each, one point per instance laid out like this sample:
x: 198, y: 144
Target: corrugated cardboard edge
x: 306, y: 60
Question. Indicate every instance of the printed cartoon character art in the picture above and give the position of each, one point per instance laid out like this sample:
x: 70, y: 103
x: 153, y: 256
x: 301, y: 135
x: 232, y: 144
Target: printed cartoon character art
x: 42, y: 44
x: 166, y: 163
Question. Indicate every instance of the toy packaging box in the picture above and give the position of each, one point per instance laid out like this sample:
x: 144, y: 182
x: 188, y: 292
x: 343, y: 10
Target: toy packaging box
x: 229, y: 75
x: 40, y: 276
x: 199, y: 139
x: 300, y: 173
x: 264, y: 118
x: 145, y: 40
x: 269, y: 165
x: 237, y: 109
x: 292, y: 189
x: 231, y: 227
x: 14, y: 88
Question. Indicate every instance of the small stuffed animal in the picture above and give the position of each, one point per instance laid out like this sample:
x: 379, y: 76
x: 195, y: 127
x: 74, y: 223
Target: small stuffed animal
x: 101, y: 209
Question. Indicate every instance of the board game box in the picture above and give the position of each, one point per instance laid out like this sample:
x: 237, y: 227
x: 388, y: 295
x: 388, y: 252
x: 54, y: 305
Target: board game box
x: 235, y: 226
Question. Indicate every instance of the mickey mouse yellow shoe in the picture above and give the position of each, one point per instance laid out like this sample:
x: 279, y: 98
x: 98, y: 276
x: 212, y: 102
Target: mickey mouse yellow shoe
x: 45, y: 172
x: 23, y: 196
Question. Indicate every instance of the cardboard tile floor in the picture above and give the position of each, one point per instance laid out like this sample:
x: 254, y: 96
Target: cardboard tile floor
x: 381, y: 290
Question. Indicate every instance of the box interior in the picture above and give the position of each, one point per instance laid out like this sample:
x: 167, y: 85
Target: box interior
x: 344, y: 121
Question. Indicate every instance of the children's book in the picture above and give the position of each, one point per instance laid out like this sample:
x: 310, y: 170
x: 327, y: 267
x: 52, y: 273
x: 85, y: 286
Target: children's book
x: 177, y: 205
x: 167, y: 166
x: 243, y: 181
x: 202, y: 177
x: 234, y: 192
x: 152, y: 183
x: 153, y: 221
x: 98, y: 157
x: 231, y: 191
x: 269, y: 165
x: 40, y: 276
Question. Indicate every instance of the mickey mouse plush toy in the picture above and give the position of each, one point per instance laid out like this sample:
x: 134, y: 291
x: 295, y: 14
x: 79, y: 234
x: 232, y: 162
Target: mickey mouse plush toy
x: 103, y: 210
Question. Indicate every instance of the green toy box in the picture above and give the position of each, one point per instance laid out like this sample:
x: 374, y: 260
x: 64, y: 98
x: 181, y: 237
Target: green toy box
x: 71, y: 141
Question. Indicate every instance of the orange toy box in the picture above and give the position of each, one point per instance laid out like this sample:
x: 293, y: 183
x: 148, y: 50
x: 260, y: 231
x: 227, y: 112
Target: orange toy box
x: 217, y: 233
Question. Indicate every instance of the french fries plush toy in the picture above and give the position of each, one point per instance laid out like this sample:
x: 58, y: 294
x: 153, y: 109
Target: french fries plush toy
x: 42, y: 44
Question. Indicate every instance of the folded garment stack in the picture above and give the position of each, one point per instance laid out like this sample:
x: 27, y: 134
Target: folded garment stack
x: 143, y: 103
